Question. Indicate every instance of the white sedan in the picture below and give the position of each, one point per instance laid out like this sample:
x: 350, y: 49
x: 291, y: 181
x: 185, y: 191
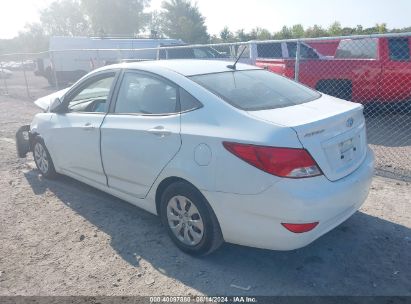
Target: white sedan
x: 219, y: 152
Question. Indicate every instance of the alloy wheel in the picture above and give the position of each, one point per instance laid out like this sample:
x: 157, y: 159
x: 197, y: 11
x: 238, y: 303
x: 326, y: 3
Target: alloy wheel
x: 41, y: 158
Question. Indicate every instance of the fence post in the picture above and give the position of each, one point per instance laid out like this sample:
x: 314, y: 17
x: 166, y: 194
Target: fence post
x: 6, y: 91
x: 53, y: 67
x: 297, y: 61
x: 25, y: 78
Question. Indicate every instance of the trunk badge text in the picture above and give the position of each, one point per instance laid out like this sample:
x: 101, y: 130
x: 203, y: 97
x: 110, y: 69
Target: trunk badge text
x: 314, y: 133
x: 350, y: 122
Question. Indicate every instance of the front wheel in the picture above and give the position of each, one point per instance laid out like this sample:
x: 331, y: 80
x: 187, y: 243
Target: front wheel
x: 42, y: 159
x: 189, y: 219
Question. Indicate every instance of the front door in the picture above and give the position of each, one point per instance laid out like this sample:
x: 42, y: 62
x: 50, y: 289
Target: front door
x: 75, y: 135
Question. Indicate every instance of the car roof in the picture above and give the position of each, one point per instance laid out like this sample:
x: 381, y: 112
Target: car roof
x: 186, y: 67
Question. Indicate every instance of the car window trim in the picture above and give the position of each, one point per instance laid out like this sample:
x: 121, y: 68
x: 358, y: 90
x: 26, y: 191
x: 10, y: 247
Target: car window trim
x: 85, y: 82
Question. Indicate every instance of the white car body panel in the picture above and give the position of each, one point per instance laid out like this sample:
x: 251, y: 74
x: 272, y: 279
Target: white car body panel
x: 321, y: 127
x: 254, y: 220
x: 140, y: 149
x: 44, y: 102
x: 67, y: 131
x: 249, y: 203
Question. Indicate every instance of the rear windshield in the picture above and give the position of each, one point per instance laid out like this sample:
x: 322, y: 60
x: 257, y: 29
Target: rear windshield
x: 254, y: 90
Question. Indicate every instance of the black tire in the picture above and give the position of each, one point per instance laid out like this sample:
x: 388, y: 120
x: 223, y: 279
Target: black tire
x: 44, y: 163
x: 212, y: 238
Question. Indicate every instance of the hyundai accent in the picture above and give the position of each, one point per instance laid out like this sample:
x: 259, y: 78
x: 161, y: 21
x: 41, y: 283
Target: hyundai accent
x: 220, y: 152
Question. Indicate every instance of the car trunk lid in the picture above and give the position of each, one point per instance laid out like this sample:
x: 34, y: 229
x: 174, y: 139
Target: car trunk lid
x: 332, y: 130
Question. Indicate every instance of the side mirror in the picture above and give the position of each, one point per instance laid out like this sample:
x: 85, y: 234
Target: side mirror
x: 54, y: 105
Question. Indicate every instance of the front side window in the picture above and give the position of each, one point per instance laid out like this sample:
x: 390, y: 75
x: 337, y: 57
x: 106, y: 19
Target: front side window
x: 144, y: 94
x: 254, y: 90
x: 92, y: 97
x: 399, y: 49
x: 365, y: 48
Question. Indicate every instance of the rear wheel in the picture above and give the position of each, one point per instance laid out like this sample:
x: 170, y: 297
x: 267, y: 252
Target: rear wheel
x: 42, y: 159
x: 189, y: 219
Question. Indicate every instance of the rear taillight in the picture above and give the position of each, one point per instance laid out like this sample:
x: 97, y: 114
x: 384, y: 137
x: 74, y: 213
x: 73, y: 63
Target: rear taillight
x: 283, y: 162
x: 300, y: 228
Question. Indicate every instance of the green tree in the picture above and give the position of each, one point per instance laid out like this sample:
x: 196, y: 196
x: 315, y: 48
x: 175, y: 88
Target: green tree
x: 259, y: 33
x: 64, y: 17
x: 381, y: 28
x: 182, y: 20
x: 33, y: 38
x: 226, y: 35
x: 154, y: 25
x: 359, y: 29
x: 316, y: 31
x: 335, y: 29
x: 346, y: 31
x: 118, y: 18
x: 285, y: 33
x: 297, y: 31
x: 242, y: 36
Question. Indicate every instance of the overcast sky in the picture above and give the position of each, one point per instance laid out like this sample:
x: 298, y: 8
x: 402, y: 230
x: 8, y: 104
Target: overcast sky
x: 236, y: 14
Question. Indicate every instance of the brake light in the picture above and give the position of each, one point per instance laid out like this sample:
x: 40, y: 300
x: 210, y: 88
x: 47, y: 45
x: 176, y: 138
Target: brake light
x: 283, y: 162
x: 300, y: 228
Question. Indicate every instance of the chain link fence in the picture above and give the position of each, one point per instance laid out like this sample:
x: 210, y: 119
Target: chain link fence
x: 374, y: 70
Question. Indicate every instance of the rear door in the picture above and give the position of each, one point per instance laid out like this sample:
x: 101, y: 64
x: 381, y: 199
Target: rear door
x: 141, y: 134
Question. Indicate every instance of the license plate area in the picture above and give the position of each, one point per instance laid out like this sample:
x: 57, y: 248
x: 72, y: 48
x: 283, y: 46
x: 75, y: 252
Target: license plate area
x: 347, y: 150
x: 344, y: 152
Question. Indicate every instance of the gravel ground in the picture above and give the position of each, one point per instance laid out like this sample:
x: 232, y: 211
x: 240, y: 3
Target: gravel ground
x: 64, y: 238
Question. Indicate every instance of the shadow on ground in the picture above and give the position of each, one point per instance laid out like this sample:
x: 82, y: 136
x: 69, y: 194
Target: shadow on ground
x: 366, y: 255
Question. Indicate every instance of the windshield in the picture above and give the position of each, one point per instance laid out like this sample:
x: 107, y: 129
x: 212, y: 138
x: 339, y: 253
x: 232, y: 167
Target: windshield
x: 254, y: 90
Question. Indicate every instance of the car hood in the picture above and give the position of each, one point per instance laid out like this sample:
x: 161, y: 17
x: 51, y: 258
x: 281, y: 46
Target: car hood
x: 44, y: 102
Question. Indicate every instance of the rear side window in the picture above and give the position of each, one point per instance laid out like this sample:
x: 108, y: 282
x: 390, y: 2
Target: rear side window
x: 305, y: 51
x: 188, y: 102
x: 365, y: 48
x: 254, y: 90
x: 143, y: 94
x: 399, y: 49
x: 269, y: 50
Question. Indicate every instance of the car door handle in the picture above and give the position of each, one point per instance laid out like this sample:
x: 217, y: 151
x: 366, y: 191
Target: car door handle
x: 88, y: 127
x: 159, y: 131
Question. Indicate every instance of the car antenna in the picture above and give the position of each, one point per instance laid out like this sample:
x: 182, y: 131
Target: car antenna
x: 233, y: 66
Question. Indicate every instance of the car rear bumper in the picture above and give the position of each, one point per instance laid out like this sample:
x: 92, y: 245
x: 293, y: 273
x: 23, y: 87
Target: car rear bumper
x: 255, y: 220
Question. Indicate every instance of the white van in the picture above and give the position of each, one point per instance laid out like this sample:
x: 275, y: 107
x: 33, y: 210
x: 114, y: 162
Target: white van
x: 72, y: 57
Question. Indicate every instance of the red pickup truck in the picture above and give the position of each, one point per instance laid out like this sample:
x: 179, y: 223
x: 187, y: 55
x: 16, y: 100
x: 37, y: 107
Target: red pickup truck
x: 362, y: 70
